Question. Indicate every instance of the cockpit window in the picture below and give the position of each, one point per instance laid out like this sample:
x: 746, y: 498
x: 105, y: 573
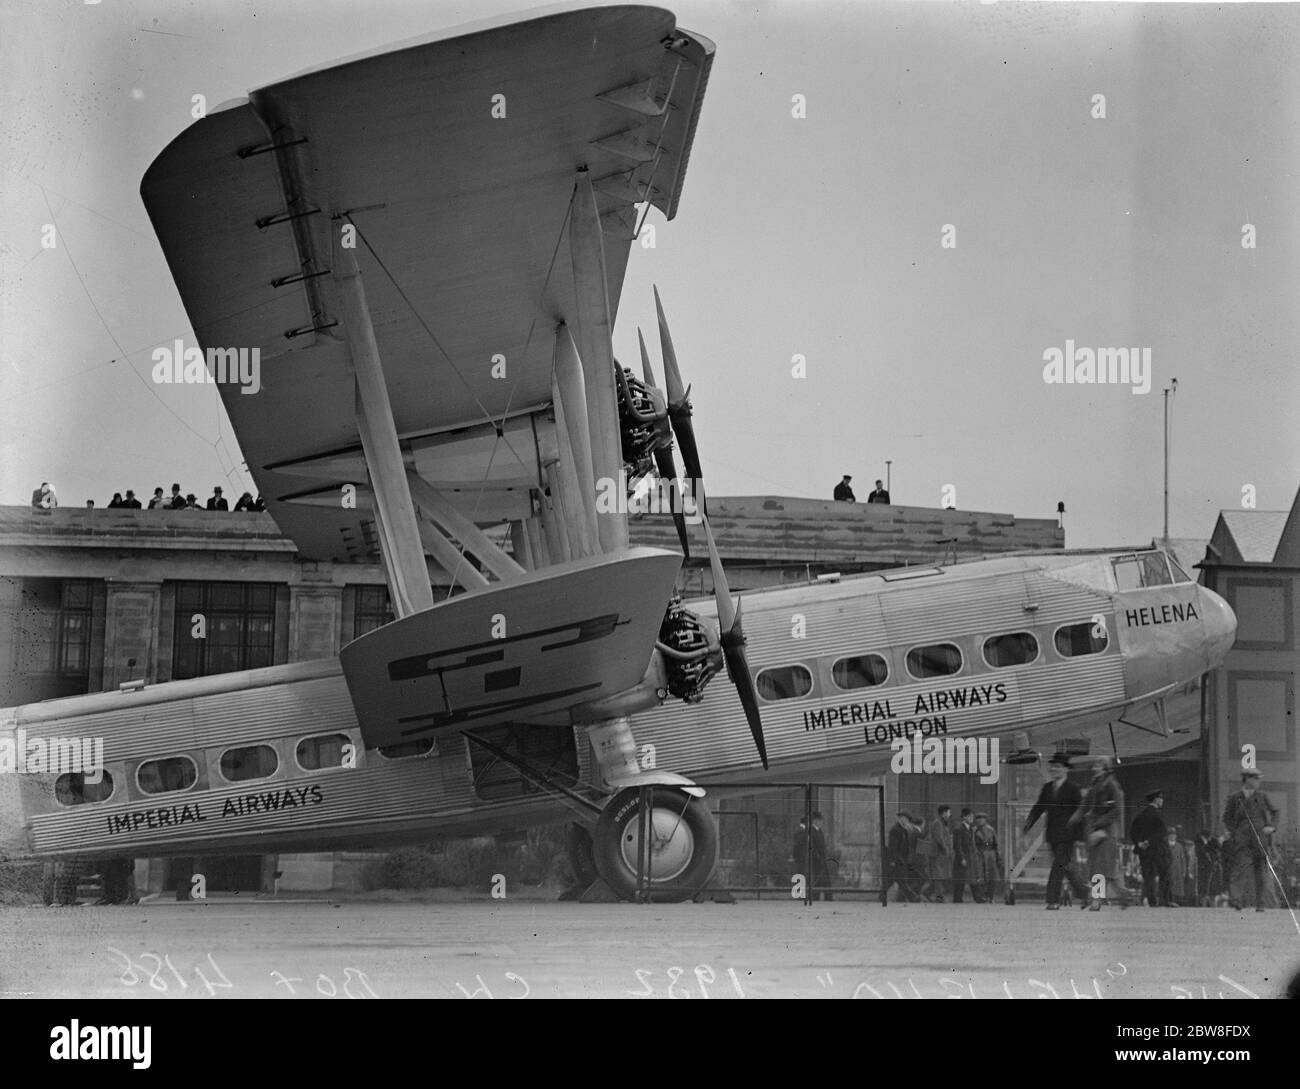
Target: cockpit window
x: 1179, y: 574
x: 1141, y: 570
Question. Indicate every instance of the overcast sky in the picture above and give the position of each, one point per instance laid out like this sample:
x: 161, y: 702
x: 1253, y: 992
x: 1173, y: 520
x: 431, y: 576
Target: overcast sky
x: 816, y: 236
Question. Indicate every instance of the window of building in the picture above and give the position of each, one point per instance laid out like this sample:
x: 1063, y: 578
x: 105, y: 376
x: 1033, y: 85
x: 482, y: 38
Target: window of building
x: 374, y: 609
x: 1018, y: 648
x: 784, y: 682
x: 71, y: 788
x: 237, y: 625
x: 53, y: 628
x: 937, y: 660
x: 166, y: 775
x: 323, y: 752
x: 250, y: 762
x: 860, y: 671
x: 407, y: 748
x: 1076, y: 640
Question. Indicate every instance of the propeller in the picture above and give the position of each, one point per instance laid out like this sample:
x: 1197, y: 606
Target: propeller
x: 664, y: 458
x: 731, y: 634
x: 732, y: 637
x: 679, y: 403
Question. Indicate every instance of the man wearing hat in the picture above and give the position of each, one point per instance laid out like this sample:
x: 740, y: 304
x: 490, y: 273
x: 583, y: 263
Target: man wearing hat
x: 810, y: 857
x: 964, y: 862
x: 843, y: 492
x: 1060, y: 800
x: 1102, y: 813
x: 900, y: 859
x: 1250, y: 819
x: 1148, y: 835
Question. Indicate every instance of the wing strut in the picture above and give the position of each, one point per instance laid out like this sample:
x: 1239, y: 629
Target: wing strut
x: 408, y: 574
x: 456, y: 565
x: 434, y: 505
x: 572, y: 428
x: 596, y: 348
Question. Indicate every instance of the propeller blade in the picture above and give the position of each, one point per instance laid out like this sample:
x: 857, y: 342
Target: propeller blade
x: 646, y: 372
x: 732, y: 637
x: 668, y: 471
x: 664, y: 457
x: 730, y: 632
x: 679, y: 404
x: 677, y: 391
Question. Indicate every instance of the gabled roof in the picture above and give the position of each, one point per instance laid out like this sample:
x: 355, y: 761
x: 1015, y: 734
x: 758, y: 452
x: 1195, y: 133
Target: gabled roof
x: 1288, y: 548
x: 1247, y: 536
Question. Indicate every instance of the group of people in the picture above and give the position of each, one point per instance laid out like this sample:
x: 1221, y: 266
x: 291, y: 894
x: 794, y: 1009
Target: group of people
x: 1239, y: 854
x: 1175, y: 872
x: 43, y: 498
x: 937, y: 859
x: 927, y: 860
x: 844, y: 492
x: 176, y: 501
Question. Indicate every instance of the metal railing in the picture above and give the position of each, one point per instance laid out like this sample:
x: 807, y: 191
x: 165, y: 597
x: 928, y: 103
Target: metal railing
x: 767, y: 851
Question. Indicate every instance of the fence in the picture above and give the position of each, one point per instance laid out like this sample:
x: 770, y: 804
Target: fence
x: 763, y: 851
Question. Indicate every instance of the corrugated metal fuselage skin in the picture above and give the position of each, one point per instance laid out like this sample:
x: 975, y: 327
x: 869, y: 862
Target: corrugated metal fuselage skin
x: 382, y: 801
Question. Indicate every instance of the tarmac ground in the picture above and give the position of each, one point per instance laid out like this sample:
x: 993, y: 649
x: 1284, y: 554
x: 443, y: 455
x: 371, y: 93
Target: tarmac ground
x: 530, y: 948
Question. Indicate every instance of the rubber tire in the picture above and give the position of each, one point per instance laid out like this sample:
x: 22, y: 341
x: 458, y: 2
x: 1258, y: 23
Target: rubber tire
x: 620, y: 819
x: 579, y: 849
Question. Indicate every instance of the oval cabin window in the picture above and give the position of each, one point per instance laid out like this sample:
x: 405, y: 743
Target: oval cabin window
x: 1018, y: 648
x: 251, y: 762
x: 784, y: 682
x: 326, y: 751
x: 407, y: 748
x: 71, y: 788
x: 860, y: 671
x: 167, y: 775
x: 940, y: 660
x: 1076, y: 640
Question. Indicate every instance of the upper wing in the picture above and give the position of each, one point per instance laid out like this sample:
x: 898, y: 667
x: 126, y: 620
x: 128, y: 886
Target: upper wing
x: 456, y: 161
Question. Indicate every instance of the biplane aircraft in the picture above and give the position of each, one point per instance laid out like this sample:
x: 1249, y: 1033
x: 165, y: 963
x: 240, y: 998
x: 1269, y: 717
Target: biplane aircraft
x: 427, y: 248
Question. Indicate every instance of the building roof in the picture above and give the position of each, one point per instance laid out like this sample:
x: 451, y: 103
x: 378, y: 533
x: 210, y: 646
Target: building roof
x: 108, y: 527
x: 1248, y: 536
x: 1288, y: 548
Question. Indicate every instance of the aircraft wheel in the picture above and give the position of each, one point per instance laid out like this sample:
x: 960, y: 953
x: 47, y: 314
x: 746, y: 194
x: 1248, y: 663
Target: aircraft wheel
x: 578, y: 847
x: 683, y: 848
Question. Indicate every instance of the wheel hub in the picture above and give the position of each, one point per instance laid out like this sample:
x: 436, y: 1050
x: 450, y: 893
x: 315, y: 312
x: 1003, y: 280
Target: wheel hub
x: 672, y: 845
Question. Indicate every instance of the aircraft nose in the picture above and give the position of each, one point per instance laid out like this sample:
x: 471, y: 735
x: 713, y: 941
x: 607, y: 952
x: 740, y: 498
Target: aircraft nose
x: 1220, y: 625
